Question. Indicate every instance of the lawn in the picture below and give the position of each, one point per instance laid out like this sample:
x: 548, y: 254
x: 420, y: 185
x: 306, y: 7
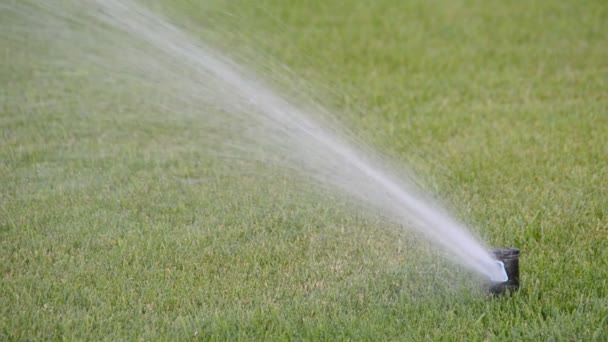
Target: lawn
x: 118, y: 222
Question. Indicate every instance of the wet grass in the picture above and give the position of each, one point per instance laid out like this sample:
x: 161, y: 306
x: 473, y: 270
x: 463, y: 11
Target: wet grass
x: 116, y: 224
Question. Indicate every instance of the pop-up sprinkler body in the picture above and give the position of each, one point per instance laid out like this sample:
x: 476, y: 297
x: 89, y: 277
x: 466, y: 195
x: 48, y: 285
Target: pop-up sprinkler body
x: 509, y: 257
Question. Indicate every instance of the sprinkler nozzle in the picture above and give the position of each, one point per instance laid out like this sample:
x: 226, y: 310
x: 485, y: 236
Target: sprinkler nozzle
x: 500, y: 274
x: 508, y: 260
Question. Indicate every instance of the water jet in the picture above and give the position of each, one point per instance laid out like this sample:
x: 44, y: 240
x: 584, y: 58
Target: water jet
x: 139, y: 52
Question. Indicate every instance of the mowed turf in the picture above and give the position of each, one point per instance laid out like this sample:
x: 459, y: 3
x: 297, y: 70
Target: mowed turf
x: 116, y: 223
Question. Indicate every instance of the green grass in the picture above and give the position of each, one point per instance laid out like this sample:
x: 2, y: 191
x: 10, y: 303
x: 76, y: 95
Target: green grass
x: 115, y: 224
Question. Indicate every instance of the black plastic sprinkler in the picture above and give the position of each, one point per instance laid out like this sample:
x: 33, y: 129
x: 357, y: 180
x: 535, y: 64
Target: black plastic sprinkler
x: 509, y: 257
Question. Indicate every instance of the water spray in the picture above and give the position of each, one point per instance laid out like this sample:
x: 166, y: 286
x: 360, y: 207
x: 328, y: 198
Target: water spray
x: 122, y: 42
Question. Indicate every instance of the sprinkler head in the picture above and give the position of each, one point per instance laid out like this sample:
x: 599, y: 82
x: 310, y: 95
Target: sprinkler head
x: 508, y: 258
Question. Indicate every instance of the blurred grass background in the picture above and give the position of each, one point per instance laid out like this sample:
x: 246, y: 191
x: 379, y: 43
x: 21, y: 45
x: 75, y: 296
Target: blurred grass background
x: 116, y: 224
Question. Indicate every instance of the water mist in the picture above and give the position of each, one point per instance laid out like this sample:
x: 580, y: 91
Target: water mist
x: 123, y: 40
